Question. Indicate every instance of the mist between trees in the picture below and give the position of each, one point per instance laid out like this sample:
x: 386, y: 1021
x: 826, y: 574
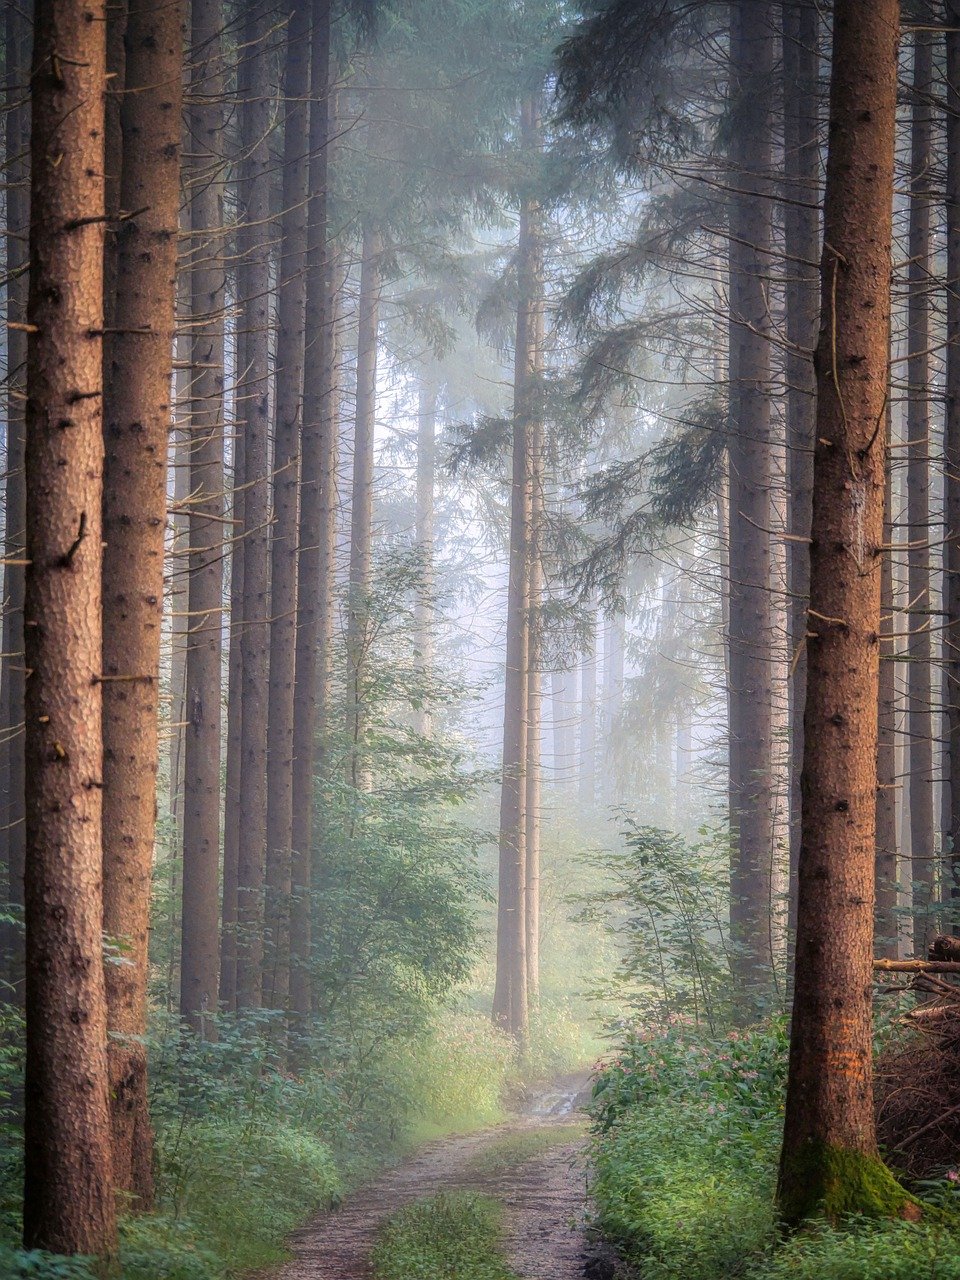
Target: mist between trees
x: 481, y: 568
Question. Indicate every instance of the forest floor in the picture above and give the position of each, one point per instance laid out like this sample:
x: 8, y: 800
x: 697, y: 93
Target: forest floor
x: 533, y: 1164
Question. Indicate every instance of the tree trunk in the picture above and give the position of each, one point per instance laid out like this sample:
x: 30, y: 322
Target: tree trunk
x: 137, y: 418
x: 919, y: 651
x: 201, y: 770
x: 533, y: 780
x: 361, y: 509
x: 588, y: 711
x: 951, y: 449
x: 829, y: 1161
x: 423, y: 535
x: 613, y: 657
x: 318, y: 467
x: 511, y: 994
x: 286, y: 474
x: 752, y: 802
x: 887, y: 924
x: 562, y: 718
x: 254, y: 421
x: 16, y: 176
x: 231, y: 784
x: 68, y: 1192
x: 801, y: 229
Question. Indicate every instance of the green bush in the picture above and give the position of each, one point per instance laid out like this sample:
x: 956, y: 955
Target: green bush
x: 449, y: 1237
x: 451, y: 1078
x: 685, y: 1147
x: 33, y: 1264
x: 215, y: 1171
x: 559, y: 1042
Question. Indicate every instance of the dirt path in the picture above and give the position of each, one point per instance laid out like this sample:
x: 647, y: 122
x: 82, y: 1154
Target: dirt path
x: 543, y: 1196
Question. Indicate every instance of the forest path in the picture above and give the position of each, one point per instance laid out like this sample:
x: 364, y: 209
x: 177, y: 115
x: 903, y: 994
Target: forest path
x: 543, y: 1194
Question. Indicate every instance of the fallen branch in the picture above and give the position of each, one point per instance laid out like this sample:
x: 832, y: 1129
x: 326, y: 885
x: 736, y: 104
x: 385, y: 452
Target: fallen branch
x: 917, y: 966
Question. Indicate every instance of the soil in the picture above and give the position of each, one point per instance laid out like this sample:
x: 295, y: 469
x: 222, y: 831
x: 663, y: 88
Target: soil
x: 544, y: 1197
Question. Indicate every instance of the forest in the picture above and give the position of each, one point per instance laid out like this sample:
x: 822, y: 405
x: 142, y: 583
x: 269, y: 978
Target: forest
x: 480, y: 655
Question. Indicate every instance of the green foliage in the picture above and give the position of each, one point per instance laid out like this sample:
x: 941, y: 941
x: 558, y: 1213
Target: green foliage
x: 665, y: 903
x: 449, y: 1237
x: 685, y: 1150
x: 34, y: 1264
x: 559, y: 1041
x: 866, y: 1250
x: 452, y: 1077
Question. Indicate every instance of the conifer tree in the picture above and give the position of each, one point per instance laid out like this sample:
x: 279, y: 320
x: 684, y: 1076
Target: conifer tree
x: 137, y: 422
x: 68, y: 1191
x: 829, y: 1161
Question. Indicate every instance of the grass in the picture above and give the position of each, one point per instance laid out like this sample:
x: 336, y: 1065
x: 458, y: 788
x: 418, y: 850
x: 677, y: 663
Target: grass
x: 515, y: 1149
x: 448, y: 1237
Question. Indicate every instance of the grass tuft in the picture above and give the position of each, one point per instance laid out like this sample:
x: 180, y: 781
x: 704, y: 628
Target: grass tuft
x: 448, y: 1237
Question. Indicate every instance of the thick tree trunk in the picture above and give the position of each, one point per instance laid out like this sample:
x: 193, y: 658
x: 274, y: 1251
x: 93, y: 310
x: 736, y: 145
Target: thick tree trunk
x: 919, y: 651
x: 137, y: 418
x: 801, y: 229
x: 752, y: 641
x: 68, y: 1192
x: 317, y: 470
x: 951, y: 449
x: 201, y: 771
x: 254, y: 421
x: 286, y: 475
x: 16, y: 176
x: 829, y: 1162
x: 361, y: 508
x: 886, y: 924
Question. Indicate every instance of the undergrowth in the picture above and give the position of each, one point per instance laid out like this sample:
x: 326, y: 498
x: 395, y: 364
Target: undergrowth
x: 246, y: 1151
x: 448, y: 1237
x: 686, y: 1135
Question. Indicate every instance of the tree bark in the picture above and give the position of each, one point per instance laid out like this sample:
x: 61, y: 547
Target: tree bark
x: 887, y: 926
x: 951, y: 449
x: 231, y: 786
x: 137, y: 418
x: 254, y: 422
x: 318, y: 450
x: 752, y: 800
x: 201, y: 769
x: 361, y: 510
x: 286, y: 475
x: 919, y: 650
x: 16, y: 176
x: 68, y: 1190
x: 829, y: 1161
x: 801, y: 229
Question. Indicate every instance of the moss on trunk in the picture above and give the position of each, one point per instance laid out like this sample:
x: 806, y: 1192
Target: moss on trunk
x: 834, y: 1183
